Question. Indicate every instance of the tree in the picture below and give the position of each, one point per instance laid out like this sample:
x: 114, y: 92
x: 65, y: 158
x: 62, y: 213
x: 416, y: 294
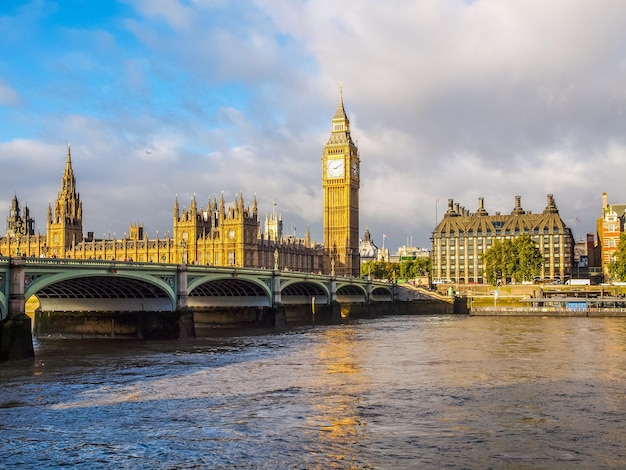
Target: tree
x: 496, y: 260
x: 519, y: 259
x: 527, y: 259
x: 374, y: 269
x: 408, y: 269
x: 617, y: 266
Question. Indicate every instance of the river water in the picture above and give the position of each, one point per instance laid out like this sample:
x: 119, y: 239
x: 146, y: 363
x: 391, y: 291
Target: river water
x: 398, y: 392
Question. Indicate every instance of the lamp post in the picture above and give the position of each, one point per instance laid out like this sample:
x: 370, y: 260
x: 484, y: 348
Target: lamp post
x: 19, y: 230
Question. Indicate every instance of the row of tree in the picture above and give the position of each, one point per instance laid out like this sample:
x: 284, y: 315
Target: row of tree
x: 408, y: 269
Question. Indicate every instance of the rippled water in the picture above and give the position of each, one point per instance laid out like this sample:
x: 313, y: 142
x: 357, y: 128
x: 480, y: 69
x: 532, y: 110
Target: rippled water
x: 398, y: 392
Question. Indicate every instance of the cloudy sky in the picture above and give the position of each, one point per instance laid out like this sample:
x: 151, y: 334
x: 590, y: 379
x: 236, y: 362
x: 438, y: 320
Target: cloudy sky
x: 447, y: 99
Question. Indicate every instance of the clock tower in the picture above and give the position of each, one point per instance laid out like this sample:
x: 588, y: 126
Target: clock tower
x: 341, y: 181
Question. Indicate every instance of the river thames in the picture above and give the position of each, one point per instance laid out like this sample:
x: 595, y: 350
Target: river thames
x: 398, y: 392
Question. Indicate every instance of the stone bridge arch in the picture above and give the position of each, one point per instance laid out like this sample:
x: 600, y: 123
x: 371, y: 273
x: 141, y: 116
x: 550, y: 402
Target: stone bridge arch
x: 301, y: 291
x: 351, y: 292
x: 85, y: 290
x: 382, y: 294
x: 229, y: 290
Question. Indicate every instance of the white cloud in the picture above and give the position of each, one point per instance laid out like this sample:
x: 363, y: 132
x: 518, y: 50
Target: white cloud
x: 8, y: 96
x: 447, y: 99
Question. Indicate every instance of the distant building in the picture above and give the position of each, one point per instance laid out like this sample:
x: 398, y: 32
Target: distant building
x: 581, y: 258
x: 594, y: 254
x: 461, y: 238
x: 367, y: 250
x: 609, y: 226
x: 409, y: 253
x: 18, y: 223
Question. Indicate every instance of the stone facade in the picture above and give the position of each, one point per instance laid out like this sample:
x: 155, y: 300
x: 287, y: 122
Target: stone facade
x: 461, y: 237
x: 610, y: 227
x: 217, y: 235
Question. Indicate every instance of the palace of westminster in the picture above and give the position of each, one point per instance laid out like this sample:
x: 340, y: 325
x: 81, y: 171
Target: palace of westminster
x: 216, y: 234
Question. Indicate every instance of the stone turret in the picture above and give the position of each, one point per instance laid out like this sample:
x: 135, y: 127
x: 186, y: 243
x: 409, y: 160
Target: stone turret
x: 65, y: 221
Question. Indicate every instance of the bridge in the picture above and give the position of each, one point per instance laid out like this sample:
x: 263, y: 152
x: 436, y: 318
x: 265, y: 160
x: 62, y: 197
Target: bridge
x: 93, y: 285
x: 77, y: 292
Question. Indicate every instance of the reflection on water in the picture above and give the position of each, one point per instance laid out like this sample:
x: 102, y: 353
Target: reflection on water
x: 341, y: 378
x: 398, y: 392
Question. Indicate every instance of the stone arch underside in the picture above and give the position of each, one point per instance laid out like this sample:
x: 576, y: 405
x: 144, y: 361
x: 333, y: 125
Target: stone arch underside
x: 381, y: 294
x: 103, y: 294
x: 351, y: 293
x: 303, y: 293
x: 228, y: 292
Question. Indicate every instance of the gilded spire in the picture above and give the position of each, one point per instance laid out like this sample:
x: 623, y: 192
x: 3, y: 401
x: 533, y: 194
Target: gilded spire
x: 341, y: 112
x: 341, y: 123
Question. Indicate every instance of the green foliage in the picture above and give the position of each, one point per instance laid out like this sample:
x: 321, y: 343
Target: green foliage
x: 519, y: 259
x: 527, y: 260
x: 408, y: 269
x: 617, y: 266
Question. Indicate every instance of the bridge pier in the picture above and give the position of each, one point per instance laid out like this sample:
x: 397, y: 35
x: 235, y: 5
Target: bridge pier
x: 16, y: 338
x: 185, y: 316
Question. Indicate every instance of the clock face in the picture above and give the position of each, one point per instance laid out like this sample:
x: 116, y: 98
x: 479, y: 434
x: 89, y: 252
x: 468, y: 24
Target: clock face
x: 335, y: 168
x: 355, y: 169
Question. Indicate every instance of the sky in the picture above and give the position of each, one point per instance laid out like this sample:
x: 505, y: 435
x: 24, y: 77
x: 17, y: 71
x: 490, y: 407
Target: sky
x: 447, y: 99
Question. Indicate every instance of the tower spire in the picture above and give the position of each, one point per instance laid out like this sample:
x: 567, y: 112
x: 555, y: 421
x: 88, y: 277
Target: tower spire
x: 65, y: 224
x: 341, y: 111
x: 69, y: 182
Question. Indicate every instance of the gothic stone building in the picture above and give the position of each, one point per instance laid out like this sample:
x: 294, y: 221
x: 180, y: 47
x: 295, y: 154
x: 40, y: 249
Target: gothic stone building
x: 216, y: 234
x: 461, y: 237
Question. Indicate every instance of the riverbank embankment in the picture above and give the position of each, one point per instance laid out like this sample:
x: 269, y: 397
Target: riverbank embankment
x: 555, y: 300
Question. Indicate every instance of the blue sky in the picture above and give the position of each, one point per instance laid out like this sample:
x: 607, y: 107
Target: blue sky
x: 447, y: 99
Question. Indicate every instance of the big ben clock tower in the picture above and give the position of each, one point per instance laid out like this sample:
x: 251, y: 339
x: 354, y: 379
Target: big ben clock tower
x: 341, y: 180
